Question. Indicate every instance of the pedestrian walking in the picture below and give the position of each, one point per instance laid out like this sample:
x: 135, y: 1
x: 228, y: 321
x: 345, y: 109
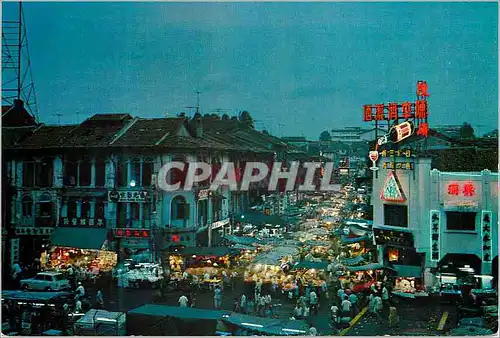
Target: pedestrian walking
x: 80, y: 290
x: 353, y: 298
x: 346, y: 307
x: 298, y: 312
x: 313, y: 301
x: 243, y: 303
x: 393, y: 317
x: 385, y: 297
x: 251, y: 307
x: 234, y: 275
x: 193, y: 299
x: 334, y: 314
x: 217, y: 297
x: 262, y: 306
x: 183, y: 301
x: 236, y: 305
x: 99, y: 299
x: 340, y: 295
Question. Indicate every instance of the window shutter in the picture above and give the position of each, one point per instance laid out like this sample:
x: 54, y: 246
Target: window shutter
x: 186, y: 211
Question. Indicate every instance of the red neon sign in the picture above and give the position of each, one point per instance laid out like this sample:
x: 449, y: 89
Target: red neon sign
x: 393, y: 111
x: 175, y: 238
x: 406, y: 106
x: 423, y: 129
x: 422, y: 89
x: 468, y: 189
x: 367, y: 113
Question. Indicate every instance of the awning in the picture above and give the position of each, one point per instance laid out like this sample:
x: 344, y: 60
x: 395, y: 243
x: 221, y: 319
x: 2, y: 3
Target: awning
x: 311, y: 265
x: 244, y: 247
x: 81, y: 238
x: 352, y: 240
x: 33, y: 296
x: 178, y: 312
x: 408, y: 270
x: 206, y: 251
x: 352, y: 261
x: 371, y: 266
x: 245, y: 240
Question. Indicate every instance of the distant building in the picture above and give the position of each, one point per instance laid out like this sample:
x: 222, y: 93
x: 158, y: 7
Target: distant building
x: 355, y: 134
x: 300, y: 142
x: 449, y: 130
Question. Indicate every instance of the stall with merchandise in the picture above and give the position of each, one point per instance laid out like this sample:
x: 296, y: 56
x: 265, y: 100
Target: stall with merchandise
x: 85, y: 249
x: 140, y: 275
x: 86, y: 263
x: 313, y: 273
x: 409, y: 287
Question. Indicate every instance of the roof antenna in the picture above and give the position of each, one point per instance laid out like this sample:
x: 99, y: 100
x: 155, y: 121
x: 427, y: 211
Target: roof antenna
x: 58, y: 118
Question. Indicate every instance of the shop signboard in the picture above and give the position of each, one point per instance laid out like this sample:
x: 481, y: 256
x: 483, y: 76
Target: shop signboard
x: 131, y: 233
x: 136, y: 196
x: 34, y: 231
x: 458, y: 195
x: 220, y: 224
x: 203, y: 194
x: 393, y: 237
x: 82, y: 222
x: 14, y: 251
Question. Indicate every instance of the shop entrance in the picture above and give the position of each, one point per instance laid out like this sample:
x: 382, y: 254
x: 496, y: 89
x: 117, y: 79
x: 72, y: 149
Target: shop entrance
x: 454, y: 263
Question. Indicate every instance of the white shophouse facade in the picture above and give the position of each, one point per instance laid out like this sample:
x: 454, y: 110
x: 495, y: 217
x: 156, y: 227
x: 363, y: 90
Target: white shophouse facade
x: 446, y: 213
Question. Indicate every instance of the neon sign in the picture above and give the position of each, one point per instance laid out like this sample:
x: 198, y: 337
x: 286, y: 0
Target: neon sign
x: 392, y: 191
x: 468, y: 189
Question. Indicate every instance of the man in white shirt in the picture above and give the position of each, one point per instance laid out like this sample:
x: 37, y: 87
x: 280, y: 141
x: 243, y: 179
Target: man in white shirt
x: 185, y: 275
x: 313, y: 300
x: 243, y: 303
x: 183, y: 301
x: 346, y: 307
x: 80, y: 290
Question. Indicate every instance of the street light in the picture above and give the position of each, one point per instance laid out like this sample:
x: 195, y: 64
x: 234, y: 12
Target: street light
x: 132, y: 183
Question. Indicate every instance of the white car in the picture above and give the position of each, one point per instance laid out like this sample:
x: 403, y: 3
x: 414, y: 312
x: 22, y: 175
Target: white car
x: 46, y: 281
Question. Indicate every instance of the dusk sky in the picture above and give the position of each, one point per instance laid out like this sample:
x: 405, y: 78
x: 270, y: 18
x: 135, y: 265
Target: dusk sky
x: 307, y: 66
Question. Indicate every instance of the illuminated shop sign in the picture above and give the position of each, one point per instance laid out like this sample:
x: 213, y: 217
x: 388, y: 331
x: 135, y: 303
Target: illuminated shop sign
x: 397, y: 165
x: 435, y: 224
x: 204, y: 194
x: 392, y: 191
x: 131, y: 233
x: 461, y: 194
x: 392, y: 237
x: 129, y: 196
x: 82, y: 222
x: 486, y: 235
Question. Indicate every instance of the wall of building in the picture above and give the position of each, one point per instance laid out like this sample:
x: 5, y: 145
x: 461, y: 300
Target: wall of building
x: 426, y: 190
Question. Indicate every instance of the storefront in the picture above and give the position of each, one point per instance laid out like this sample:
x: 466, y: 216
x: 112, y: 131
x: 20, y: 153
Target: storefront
x: 86, y: 249
x: 133, y: 243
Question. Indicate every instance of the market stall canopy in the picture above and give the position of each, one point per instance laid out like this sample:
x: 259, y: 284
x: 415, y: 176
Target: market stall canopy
x: 178, y: 312
x: 244, y: 247
x: 207, y: 251
x: 245, y: 240
x: 272, y: 257
x: 29, y: 296
x: 310, y: 265
x: 269, y: 326
x: 408, y: 270
x: 259, y: 218
x: 352, y: 261
x: 371, y: 266
x: 95, y: 317
x: 80, y: 238
x: 352, y: 240
x: 319, y: 231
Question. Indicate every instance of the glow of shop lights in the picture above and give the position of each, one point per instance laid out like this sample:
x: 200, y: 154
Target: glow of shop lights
x: 294, y: 330
x: 252, y: 325
x: 106, y: 319
x: 132, y: 183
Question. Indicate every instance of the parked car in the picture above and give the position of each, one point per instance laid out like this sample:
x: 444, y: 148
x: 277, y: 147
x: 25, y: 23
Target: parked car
x: 46, y: 281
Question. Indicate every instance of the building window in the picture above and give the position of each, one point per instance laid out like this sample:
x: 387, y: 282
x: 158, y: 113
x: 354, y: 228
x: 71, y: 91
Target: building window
x: 45, y: 212
x: 135, y: 210
x: 147, y: 212
x: 180, y: 209
x: 121, y: 174
x: 135, y: 172
x: 396, y: 215
x: 100, y: 173
x: 121, y: 214
x: 147, y: 172
x: 27, y: 207
x: 71, y: 206
x: 28, y: 174
x: 99, y: 208
x: 85, y: 209
x: 44, y: 173
x: 462, y: 221
x: 70, y: 173
x: 85, y: 173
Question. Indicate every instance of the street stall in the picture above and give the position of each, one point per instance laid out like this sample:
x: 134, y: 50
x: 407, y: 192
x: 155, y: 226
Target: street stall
x: 101, y: 323
x: 143, y: 275
x: 362, y: 277
x: 311, y: 272
x: 201, y: 261
x: 409, y: 282
x: 238, y: 324
x: 159, y: 320
x: 85, y: 249
x: 36, y: 311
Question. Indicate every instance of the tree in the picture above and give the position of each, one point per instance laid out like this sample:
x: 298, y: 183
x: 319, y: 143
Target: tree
x: 247, y: 119
x: 325, y: 136
x: 225, y: 117
x: 466, y: 131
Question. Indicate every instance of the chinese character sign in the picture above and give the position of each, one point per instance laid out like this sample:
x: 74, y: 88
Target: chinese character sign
x: 461, y: 193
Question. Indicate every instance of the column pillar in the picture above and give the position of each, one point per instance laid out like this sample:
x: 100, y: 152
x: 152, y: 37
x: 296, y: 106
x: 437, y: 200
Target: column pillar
x: 92, y: 173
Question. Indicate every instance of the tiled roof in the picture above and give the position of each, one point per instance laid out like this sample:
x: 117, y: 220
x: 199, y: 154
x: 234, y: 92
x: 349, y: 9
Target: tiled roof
x: 47, y: 137
x: 149, y: 132
x: 10, y: 136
